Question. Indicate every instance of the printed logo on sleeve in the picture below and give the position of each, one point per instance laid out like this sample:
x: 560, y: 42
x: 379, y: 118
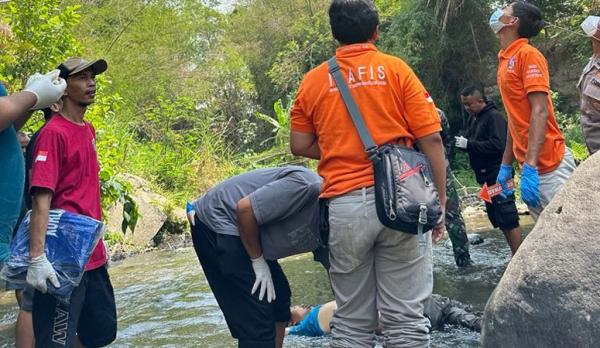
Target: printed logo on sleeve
x: 533, y: 72
x: 42, y: 156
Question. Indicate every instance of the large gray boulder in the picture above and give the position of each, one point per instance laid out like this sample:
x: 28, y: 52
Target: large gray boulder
x: 151, y: 208
x: 549, y: 295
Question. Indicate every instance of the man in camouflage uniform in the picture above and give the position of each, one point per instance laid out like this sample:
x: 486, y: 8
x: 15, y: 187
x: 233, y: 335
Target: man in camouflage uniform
x: 455, y: 224
x: 589, y: 88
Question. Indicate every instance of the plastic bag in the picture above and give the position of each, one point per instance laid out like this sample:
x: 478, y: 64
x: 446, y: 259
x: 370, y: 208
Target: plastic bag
x: 70, y: 241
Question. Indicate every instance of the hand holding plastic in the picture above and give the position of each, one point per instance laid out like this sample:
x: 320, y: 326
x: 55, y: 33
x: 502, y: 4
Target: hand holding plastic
x: 39, y: 271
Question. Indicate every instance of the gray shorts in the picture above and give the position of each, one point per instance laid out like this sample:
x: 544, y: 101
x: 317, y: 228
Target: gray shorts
x: 551, y: 183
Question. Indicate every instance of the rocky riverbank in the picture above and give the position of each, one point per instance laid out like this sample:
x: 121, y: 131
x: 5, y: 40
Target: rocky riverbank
x: 160, y: 224
x: 164, y: 227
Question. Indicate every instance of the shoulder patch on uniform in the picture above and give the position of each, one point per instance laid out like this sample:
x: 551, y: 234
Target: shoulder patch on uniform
x: 511, y: 63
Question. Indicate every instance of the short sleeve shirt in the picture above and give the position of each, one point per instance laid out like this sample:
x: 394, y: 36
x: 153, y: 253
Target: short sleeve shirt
x: 309, y: 326
x: 523, y: 70
x: 284, y: 201
x: 392, y: 101
x: 589, y: 90
x: 12, y: 177
x: 65, y: 162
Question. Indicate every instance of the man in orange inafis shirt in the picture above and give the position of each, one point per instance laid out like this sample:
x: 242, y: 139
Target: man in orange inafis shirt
x: 372, y: 267
x: 534, y: 138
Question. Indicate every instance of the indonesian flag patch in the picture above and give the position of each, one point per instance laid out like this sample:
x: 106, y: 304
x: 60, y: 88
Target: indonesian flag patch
x: 428, y: 97
x: 42, y: 156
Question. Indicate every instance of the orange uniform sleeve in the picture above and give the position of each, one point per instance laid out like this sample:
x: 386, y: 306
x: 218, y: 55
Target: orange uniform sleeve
x: 534, y: 73
x: 301, y: 121
x: 420, y: 112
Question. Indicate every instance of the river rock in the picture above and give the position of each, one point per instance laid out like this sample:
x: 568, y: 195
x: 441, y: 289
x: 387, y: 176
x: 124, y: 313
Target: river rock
x: 549, y: 295
x: 475, y: 239
x: 151, y: 208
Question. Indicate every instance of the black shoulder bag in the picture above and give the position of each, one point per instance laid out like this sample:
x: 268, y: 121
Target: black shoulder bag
x: 405, y: 197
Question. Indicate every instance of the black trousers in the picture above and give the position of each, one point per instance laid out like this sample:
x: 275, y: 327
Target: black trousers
x: 228, y: 270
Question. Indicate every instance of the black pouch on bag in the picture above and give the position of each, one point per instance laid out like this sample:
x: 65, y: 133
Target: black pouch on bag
x: 405, y: 197
x: 321, y: 254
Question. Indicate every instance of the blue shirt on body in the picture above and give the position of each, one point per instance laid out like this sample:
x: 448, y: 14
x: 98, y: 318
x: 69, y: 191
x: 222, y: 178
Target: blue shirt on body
x: 309, y: 326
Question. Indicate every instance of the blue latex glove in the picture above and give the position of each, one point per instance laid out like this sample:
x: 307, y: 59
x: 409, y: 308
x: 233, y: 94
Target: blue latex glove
x: 504, y: 175
x: 530, y: 186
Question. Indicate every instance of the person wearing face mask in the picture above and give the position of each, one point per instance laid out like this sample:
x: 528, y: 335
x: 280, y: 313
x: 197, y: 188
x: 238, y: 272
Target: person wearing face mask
x: 533, y: 136
x: 589, y: 87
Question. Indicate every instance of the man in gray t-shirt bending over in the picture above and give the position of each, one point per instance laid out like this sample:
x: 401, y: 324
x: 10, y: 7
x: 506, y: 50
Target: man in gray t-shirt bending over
x: 242, y: 226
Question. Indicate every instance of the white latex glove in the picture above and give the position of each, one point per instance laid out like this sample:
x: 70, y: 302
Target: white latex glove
x: 461, y: 142
x: 39, y: 271
x: 47, y: 88
x: 263, y: 279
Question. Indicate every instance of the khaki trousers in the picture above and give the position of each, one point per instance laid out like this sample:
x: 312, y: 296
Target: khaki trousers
x: 374, y: 268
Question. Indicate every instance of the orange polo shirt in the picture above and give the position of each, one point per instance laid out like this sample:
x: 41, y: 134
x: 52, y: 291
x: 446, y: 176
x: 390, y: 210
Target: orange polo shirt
x: 522, y: 70
x: 393, y: 103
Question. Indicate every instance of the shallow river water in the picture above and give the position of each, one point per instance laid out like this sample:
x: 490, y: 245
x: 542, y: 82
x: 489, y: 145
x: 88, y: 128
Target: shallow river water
x: 163, y: 299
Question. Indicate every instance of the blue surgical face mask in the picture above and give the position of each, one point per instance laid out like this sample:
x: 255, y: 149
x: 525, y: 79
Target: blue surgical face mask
x: 495, y: 22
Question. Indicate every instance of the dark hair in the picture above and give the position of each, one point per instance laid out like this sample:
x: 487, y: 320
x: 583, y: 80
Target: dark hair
x: 47, y: 113
x: 473, y: 91
x: 353, y: 21
x: 530, y: 19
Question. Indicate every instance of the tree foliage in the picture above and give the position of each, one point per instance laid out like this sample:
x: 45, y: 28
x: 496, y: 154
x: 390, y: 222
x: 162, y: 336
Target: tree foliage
x: 280, y: 40
x: 448, y: 44
x: 193, y: 95
x: 39, y: 35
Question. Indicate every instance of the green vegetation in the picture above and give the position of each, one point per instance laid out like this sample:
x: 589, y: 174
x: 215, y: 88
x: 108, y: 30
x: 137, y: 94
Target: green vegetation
x: 193, y: 95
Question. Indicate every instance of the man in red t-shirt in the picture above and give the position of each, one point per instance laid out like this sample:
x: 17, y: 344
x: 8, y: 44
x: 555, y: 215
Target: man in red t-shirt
x: 64, y: 175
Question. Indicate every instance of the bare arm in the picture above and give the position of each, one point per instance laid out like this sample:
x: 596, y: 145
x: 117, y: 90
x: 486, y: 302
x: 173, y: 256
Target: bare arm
x: 14, y: 109
x: 538, y: 123
x: 248, y: 228
x: 305, y: 145
x: 508, y: 157
x: 432, y: 146
x: 39, y: 221
x: 20, y: 122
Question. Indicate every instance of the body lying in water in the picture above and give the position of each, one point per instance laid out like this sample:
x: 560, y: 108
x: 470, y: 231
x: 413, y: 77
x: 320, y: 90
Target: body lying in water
x: 316, y: 321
